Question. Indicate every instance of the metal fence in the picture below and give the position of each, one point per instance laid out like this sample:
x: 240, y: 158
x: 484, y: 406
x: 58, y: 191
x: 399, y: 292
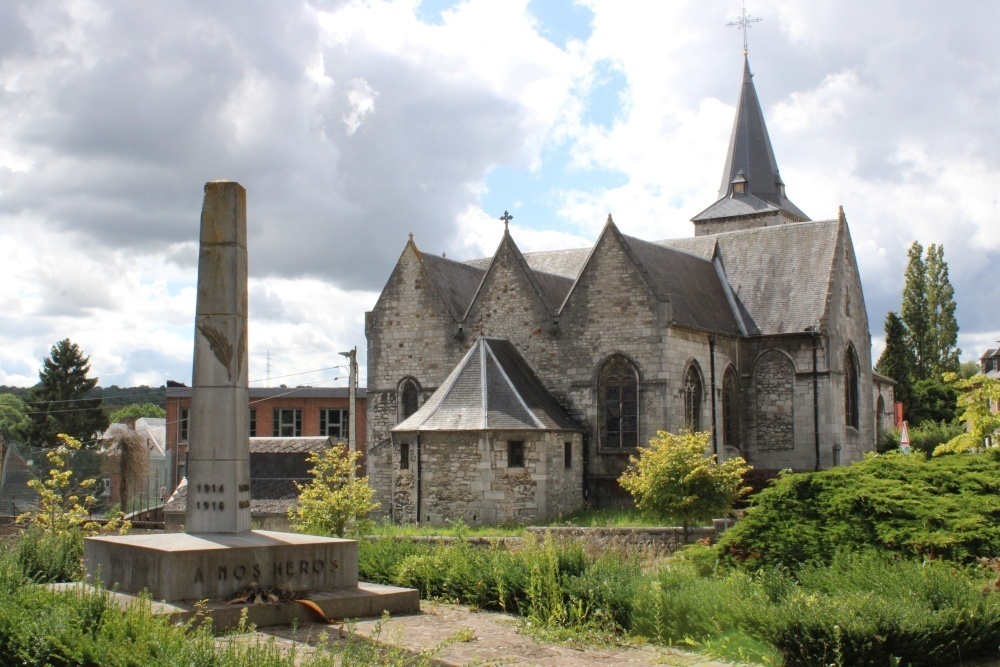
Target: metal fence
x: 22, y: 464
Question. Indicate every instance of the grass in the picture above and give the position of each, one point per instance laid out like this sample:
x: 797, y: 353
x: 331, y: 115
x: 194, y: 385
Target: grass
x: 456, y: 529
x: 611, y: 518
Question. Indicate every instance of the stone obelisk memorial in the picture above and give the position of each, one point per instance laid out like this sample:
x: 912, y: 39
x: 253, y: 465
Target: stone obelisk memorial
x: 218, y: 556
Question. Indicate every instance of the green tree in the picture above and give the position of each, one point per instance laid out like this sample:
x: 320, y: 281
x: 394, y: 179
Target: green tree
x: 979, y: 400
x: 915, y: 310
x: 335, y: 502
x: 897, y: 358
x: 943, y: 327
x: 64, y: 504
x: 137, y: 411
x: 15, y: 424
x: 673, y: 478
x: 967, y: 369
x: 933, y: 400
x: 58, y: 403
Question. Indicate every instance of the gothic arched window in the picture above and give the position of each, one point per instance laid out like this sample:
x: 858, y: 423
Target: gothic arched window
x: 852, y: 418
x: 618, y: 392
x: 692, y: 398
x: 408, y: 399
x: 730, y: 410
x: 879, y: 417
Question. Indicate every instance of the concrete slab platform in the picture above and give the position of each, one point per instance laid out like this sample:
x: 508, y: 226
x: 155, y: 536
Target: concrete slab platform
x: 362, y: 601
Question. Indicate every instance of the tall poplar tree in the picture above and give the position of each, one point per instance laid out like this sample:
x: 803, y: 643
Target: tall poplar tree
x: 943, y: 330
x: 897, y: 358
x: 916, y: 311
x: 58, y: 404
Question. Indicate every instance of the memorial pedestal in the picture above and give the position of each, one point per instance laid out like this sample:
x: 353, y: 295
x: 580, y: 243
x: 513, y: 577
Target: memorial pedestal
x: 179, y: 569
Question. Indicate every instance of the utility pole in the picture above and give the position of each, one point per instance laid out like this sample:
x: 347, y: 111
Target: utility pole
x: 352, y: 394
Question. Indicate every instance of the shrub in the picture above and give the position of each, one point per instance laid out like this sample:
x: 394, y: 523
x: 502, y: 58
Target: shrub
x: 943, y: 507
x: 335, y: 502
x: 48, y: 557
x: 674, y: 478
x: 930, y: 435
x: 871, y: 610
x: 863, y: 609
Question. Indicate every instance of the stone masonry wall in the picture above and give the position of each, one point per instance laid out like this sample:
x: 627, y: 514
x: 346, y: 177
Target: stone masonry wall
x: 465, y: 476
x: 611, y: 311
x: 774, y: 394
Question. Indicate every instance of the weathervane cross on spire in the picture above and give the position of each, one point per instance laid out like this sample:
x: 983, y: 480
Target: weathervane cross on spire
x: 506, y: 217
x: 743, y: 23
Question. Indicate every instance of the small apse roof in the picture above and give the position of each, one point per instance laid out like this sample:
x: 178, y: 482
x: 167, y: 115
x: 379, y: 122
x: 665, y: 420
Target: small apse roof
x: 491, y: 388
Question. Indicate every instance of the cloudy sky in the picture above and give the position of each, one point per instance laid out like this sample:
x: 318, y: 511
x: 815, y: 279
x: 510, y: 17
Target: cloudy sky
x: 353, y: 123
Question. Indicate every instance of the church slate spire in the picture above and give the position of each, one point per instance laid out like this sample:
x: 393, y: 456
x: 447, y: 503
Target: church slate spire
x: 751, y: 183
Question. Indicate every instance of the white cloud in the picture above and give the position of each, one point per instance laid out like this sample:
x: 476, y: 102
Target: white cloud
x: 352, y: 123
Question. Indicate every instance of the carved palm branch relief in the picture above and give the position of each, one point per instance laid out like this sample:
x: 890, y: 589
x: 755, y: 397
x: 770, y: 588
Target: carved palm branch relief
x: 221, y: 346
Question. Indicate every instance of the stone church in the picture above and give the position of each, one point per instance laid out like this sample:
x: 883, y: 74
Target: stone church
x: 515, y: 387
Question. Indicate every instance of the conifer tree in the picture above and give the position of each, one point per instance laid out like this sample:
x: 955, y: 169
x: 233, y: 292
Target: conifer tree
x: 915, y: 311
x: 943, y: 329
x: 58, y: 404
x: 897, y: 358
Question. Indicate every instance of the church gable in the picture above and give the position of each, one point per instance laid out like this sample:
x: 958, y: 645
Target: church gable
x: 612, y: 281
x: 511, y: 301
x: 405, y: 327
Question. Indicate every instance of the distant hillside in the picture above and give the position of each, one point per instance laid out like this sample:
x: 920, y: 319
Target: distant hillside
x: 114, y: 396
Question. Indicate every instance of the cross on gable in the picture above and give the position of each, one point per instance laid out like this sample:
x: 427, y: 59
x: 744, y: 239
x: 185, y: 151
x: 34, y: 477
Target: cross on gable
x: 506, y: 217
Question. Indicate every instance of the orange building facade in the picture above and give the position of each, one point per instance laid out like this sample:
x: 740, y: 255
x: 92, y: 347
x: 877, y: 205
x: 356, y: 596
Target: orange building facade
x: 273, y: 413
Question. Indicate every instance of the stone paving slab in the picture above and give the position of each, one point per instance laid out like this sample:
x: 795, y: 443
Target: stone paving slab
x: 495, y: 641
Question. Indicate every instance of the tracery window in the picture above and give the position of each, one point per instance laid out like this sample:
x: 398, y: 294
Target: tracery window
x: 730, y: 410
x: 407, y: 399
x: 618, y: 392
x: 851, y: 388
x: 692, y: 398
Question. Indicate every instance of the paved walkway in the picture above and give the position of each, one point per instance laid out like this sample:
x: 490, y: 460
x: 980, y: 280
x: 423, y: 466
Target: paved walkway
x: 484, y: 638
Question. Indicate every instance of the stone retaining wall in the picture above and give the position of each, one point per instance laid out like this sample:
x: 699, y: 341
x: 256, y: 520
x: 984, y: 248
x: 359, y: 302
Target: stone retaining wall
x: 660, y: 539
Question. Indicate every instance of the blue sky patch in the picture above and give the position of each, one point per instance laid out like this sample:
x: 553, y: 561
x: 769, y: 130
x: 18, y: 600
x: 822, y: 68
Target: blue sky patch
x: 429, y: 11
x: 604, y: 104
x: 560, y: 21
x: 533, y: 197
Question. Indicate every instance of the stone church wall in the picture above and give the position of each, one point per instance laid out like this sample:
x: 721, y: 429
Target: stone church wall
x: 612, y: 311
x: 465, y: 475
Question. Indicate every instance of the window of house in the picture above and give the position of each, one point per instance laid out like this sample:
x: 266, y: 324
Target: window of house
x: 515, y: 453
x: 567, y: 455
x: 183, y: 431
x: 730, y: 410
x: 334, y: 422
x: 618, y: 392
x: 408, y: 399
x: 404, y: 456
x: 288, y: 423
x: 851, y: 388
x: 692, y: 398
x: 253, y: 422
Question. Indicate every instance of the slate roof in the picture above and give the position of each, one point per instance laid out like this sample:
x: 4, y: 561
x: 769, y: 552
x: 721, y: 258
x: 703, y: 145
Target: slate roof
x: 155, y: 431
x: 456, y: 282
x: 780, y: 274
x: 491, y: 388
x: 693, y: 285
x: 267, y: 496
x: 302, y: 445
x: 750, y: 152
x: 184, y: 391
x: 276, y: 464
